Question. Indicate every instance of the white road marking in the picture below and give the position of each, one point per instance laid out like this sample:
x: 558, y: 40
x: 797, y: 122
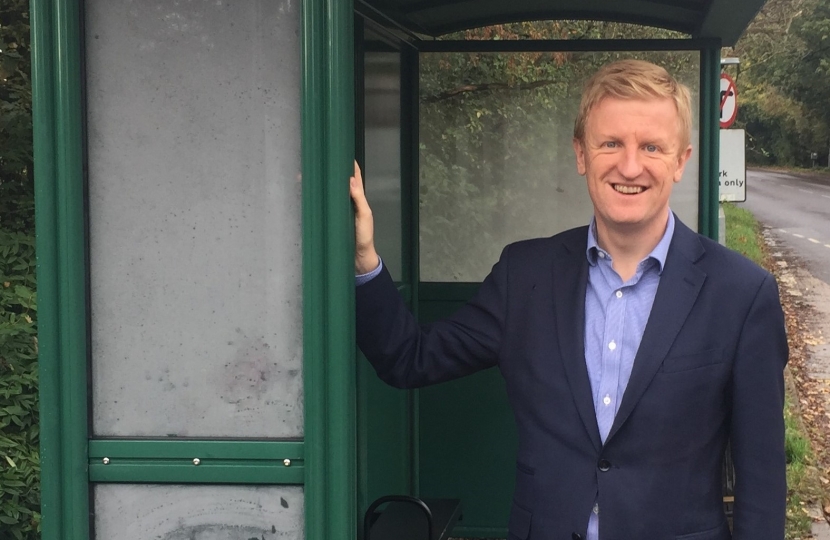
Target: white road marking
x: 782, y: 230
x: 798, y: 235
x: 813, y: 240
x: 827, y: 245
x: 826, y: 196
x: 805, y: 190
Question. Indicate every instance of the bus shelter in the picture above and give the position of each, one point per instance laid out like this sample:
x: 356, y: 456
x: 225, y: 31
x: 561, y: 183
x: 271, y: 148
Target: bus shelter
x: 198, y: 370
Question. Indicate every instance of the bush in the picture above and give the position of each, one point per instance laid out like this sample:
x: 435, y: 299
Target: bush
x: 19, y: 433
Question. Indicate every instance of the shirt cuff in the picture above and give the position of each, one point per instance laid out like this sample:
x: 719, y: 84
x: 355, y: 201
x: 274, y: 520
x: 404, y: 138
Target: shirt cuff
x: 369, y: 276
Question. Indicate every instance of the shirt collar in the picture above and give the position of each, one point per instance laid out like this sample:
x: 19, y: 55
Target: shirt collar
x: 658, y: 253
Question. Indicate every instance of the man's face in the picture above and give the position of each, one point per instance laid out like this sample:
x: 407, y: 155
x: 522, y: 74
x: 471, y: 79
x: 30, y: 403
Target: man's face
x: 631, y: 156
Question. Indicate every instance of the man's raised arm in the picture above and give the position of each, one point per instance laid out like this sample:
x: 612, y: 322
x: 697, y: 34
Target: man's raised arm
x: 365, y: 257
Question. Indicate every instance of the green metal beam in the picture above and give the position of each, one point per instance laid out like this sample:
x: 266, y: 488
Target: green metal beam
x: 565, y: 45
x: 160, y: 471
x: 196, y: 461
x: 709, y: 151
x: 328, y: 270
x: 249, y: 450
x: 61, y: 252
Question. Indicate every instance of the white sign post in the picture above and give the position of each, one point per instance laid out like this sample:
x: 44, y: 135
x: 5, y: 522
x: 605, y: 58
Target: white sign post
x: 732, y: 175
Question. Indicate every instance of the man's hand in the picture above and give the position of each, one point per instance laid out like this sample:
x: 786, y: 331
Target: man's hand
x: 365, y: 257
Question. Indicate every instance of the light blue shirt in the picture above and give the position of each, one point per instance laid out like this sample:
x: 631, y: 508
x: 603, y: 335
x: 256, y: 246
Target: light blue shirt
x: 360, y: 279
x: 615, y: 319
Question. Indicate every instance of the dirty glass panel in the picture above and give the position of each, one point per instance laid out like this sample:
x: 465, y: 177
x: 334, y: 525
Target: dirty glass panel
x: 496, y: 161
x: 169, y: 512
x: 194, y: 218
x: 382, y: 105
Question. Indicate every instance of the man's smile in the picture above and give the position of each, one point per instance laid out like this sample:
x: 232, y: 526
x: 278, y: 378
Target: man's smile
x: 628, y: 190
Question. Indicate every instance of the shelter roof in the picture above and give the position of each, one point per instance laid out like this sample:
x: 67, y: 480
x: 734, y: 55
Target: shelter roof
x: 724, y: 19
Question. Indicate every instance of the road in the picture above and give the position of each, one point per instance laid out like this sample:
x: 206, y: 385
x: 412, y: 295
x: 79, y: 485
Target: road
x: 798, y: 209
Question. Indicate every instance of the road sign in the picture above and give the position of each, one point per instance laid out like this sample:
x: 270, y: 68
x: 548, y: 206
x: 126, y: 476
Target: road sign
x: 728, y: 101
x: 732, y: 175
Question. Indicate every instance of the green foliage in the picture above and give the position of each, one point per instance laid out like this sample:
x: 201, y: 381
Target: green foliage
x: 742, y: 231
x: 16, y: 181
x: 19, y: 434
x: 783, y: 88
x: 19, y: 463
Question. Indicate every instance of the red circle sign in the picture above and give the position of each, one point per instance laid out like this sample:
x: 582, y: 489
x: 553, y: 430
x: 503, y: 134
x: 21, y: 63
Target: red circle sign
x: 728, y: 101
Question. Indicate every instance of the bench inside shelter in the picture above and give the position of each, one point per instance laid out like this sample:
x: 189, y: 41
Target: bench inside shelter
x: 401, y: 517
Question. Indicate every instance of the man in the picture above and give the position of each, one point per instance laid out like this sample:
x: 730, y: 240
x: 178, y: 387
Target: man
x: 633, y: 349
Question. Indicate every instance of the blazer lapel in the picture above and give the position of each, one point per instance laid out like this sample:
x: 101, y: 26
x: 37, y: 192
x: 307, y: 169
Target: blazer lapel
x: 570, y: 279
x: 680, y: 284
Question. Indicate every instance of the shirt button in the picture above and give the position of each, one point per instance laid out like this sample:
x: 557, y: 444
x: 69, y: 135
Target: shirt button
x: 596, y: 508
x: 607, y: 400
x: 601, y: 255
x: 612, y: 345
x: 619, y: 294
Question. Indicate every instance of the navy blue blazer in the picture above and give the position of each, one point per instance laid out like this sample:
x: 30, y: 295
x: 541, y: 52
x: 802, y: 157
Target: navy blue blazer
x: 709, y: 368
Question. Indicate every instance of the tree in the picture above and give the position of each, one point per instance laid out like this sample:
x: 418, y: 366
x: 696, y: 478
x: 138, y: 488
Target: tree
x: 784, y: 74
x: 16, y: 179
x: 19, y: 433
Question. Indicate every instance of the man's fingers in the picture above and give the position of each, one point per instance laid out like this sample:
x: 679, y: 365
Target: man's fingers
x: 357, y: 193
x: 357, y: 173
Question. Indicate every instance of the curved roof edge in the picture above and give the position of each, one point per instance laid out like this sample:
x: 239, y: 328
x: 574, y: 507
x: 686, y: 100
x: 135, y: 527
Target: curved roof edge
x: 722, y: 19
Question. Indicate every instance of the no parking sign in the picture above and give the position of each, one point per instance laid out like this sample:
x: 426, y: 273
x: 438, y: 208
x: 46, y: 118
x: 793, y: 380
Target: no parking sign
x: 728, y: 101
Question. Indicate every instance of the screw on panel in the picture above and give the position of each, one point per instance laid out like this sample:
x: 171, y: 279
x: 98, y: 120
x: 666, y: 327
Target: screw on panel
x: 286, y: 462
x: 106, y: 461
x: 196, y: 461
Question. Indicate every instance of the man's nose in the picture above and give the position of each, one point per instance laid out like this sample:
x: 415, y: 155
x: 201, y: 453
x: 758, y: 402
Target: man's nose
x: 630, y: 165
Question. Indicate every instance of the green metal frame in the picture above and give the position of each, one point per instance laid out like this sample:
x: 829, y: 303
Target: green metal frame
x: 410, y: 167
x: 328, y: 269
x: 219, y: 462
x: 566, y: 45
x: 62, y: 286
x: 69, y: 460
x: 709, y: 140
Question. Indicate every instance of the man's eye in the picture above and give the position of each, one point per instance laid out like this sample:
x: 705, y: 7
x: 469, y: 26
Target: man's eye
x: 609, y: 144
x: 651, y: 148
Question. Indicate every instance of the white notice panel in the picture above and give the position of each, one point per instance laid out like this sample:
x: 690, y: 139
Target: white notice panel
x: 732, y: 175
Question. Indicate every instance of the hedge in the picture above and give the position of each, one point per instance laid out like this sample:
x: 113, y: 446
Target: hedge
x: 19, y: 432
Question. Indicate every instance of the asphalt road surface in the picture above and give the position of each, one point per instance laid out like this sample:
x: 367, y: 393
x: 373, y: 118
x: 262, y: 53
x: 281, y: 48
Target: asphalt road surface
x: 798, y: 209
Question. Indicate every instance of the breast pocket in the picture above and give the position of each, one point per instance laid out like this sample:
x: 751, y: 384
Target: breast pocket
x: 687, y: 362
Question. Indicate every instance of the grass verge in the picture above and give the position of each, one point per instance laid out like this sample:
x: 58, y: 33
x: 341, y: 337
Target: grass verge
x: 743, y: 234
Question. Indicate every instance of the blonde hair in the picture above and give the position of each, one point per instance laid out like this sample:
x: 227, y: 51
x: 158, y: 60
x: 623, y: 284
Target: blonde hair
x: 635, y: 79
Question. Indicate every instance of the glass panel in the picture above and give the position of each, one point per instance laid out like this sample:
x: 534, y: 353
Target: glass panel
x: 383, y: 153
x: 170, y: 512
x: 497, y: 163
x: 194, y: 217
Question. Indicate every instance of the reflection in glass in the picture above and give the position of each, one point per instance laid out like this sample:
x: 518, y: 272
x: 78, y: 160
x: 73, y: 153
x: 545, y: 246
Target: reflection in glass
x: 497, y: 163
x: 383, y: 153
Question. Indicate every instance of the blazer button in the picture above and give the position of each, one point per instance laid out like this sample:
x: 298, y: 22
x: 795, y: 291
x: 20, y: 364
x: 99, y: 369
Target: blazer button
x: 604, y: 465
x: 577, y: 536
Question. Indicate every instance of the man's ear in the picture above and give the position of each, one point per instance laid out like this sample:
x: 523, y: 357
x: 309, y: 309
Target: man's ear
x: 579, y: 150
x: 682, y: 159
